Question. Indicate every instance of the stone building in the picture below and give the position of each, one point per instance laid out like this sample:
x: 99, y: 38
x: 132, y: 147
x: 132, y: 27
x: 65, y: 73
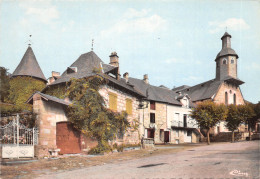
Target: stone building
x: 164, y: 114
x: 224, y: 88
x: 118, y: 94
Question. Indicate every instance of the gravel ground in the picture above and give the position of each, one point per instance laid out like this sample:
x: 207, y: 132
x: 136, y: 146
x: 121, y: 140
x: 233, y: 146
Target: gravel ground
x: 72, y: 162
x: 222, y: 160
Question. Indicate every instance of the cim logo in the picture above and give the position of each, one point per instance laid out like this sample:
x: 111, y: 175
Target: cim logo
x: 238, y: 173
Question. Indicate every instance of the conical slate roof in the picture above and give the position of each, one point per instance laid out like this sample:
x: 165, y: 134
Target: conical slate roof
x: 29, y: 66
x: 85, y: 65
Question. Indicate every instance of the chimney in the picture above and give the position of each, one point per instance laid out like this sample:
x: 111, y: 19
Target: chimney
x: 55, y: 74
x: 126, y: 75
x: 114, y: 59
x: 146, y: 80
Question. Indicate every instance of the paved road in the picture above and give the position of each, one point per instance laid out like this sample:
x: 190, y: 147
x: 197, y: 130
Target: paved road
x: 223, y: 160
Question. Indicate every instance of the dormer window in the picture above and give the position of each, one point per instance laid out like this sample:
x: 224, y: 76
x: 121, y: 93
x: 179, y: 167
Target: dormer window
x: 72, y: 70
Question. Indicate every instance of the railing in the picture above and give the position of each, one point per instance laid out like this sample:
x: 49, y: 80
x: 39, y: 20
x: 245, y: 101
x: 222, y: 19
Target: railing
x: 16, y: 133
x: 189, y: 124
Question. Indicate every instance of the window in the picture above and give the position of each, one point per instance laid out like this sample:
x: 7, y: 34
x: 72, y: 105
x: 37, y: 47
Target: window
x: 129, y: 106
x: 185, y: 120
x: 113, y: 101
x: 152, y: 105
x: 226, y: 98
x: 189, y: 133
x: 232, y: 61
x: 224, y: 61
x: 150, y: 133
x: 152, y: 118
x: 234, y: 99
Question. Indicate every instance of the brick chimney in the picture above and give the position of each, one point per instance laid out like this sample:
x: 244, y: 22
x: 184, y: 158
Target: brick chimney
x: 126, y: 76
x: 146, y: 80
x: 114, y: 59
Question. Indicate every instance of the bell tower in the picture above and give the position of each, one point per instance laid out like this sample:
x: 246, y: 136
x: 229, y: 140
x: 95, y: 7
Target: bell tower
x: 226, y: 60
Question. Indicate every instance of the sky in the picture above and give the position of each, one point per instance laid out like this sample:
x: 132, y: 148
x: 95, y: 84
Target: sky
x: 175, y: 42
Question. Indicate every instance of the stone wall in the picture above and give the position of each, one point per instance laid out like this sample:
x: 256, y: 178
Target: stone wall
x: 131, y: 136
x: 231, y: 90
x: 49, y: 113
x: 164, y: 115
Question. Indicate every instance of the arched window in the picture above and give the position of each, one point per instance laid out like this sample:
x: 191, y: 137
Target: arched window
x: 232, y: 61
x: 226, y: 98
x: 224, y: 61
x: 234, y: 99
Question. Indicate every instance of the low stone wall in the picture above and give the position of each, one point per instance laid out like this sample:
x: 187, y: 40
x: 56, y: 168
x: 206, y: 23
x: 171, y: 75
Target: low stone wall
x: 227, y: 136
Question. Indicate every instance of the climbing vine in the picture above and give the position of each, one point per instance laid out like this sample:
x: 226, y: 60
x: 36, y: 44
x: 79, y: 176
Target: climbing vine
x: 58, y: 91
x: 89, y: 114
x: 21, y: 88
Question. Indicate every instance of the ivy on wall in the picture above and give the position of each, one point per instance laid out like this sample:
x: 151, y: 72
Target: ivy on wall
x: 89, y: 114
x: 58, y: 91
x: 21, y: 88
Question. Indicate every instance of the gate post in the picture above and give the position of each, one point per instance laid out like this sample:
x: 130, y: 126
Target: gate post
x: 17, y: 136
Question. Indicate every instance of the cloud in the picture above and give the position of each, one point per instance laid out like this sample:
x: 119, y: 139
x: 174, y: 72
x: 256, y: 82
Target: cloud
x: 45, y: 15
x: 231, y: 23
x: 174, y: 60
x: 42, y: 11
x: 132, y: 13
x: 255, y: 66
x: 134, y: 21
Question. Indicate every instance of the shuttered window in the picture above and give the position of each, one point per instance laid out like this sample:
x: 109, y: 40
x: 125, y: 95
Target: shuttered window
x: 113, y: 101
x: 129, y: 106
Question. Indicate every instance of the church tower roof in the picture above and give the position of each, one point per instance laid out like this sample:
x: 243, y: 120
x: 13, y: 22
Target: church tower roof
x: 226, y: 46
x: 29, y: 66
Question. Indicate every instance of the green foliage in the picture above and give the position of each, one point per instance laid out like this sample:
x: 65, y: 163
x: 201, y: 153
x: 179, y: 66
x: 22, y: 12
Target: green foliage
x: 21, y: 88
x: 89, y: 114
x: 253, y: 119
x: 237, y: 115
x: 4, y: 83
x: 58, y: 91
x: 233, y: 118
x: 9, y: 109
x: 208, y: 114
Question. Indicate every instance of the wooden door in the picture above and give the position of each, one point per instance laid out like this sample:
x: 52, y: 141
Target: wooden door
x: 166, y: 136
x: 67, y: 138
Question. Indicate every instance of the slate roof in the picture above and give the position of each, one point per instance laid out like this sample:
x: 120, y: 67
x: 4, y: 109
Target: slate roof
x: 48, y: 97
x: 29, y: 66
x: 85, y: 65
x: 155, y: 93
x: 180, y: 88
x: 226, y: 34
x: 226, y: 51
x: 203, y: 90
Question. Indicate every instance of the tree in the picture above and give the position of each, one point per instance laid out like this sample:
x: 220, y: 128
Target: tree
x: 236, y: 115
x: 253, y: 120
x: 208, y: 114
x: 4, y: 83
x: 89, y: 114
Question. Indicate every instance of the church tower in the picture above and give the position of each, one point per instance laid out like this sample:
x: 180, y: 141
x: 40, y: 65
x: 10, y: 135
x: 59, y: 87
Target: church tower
x: 226, y: 60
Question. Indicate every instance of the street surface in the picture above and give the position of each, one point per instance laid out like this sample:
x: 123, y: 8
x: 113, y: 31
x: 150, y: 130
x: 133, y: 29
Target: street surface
x: 223, y: 160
